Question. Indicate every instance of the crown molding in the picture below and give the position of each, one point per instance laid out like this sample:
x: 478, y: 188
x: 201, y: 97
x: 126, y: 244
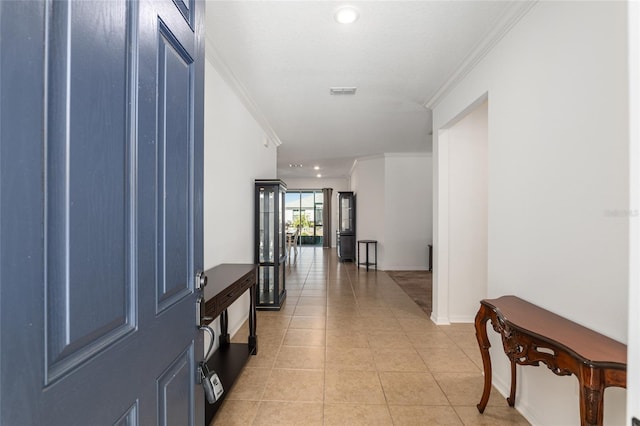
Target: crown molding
x: 236, y: 85
x: 511, y: 16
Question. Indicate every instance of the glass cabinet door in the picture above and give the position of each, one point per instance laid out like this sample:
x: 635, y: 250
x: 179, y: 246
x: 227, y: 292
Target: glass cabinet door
x: 346, y: 205
x: 266, y: 213
x: 345, y: 210
x: 270, y: 241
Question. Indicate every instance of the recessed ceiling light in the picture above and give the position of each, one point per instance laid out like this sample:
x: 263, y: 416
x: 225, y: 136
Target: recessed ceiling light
x: 318, y: 175
x: 346, y: 15
x: 316, y: 167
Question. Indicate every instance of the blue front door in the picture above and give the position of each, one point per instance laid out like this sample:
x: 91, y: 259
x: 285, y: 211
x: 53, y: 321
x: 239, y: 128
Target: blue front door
x: 101, y: 118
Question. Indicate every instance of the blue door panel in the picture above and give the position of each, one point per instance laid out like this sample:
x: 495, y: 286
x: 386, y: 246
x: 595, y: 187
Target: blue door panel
x: 175, y: 140
x: 100, y: 211
x: 174, y: 404
x: 88, y: 227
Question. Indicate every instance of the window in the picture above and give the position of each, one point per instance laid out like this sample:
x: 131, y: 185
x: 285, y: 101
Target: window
x: 303, y: 210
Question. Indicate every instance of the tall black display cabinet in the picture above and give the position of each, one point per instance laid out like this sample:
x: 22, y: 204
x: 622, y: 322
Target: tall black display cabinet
x: 346, y: 233
x: 270, y: 239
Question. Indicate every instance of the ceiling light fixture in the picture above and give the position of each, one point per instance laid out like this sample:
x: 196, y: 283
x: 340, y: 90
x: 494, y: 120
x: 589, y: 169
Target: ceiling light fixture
x: 295, y: 166
x: 318, y: 175
x: 346, y: 15
x: 316, y: 167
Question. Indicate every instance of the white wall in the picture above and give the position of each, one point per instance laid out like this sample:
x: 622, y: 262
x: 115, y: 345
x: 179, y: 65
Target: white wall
x: 558, y: 180
x: 468, y: 198
x: 234, y: 155
x: 393, y: 206
x: 319, y: 183
x: 368, y: 181
x: 408, y: 211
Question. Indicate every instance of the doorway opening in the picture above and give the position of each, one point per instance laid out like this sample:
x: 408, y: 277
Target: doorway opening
x: 460, y: 279
x: 303, y: 212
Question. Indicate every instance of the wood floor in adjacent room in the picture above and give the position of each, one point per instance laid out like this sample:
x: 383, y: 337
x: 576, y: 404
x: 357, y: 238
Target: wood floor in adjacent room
x: 351, y: 348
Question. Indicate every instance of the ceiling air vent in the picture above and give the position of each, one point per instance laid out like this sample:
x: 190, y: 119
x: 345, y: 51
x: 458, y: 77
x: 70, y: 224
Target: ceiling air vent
x: 342, y: 90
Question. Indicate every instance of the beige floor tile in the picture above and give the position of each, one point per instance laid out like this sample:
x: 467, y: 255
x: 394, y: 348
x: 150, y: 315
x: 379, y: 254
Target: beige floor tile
x: 430, y: 339
x: 265, y: 357
x: 447, y: 360
x: 235, y: 413
x: 356, y: 415
x: 347, y: 339
x: 340, y: 358
x: 409, y: 312
x: 420, y: 415
x: 269, y: 336
x: 304, y: 337
x: 272, y: 413
x: 310, y: 311
x: 460, y: 327
x: 388, y: 339
x: 466, y: 340
x: 313, y: 293
x: 249, y: 385
x: 415, y: 324
x: 312, y: 283
x: 289, y: 306
x: 304, y: 357
x: 295, y: 385
x: 242, y: 334
x: 353, y: 387
x: 411, y: 388
x: 317, y: 323
x: 390, y: 359
x: 379, y: 312
x: 493, y: 416
x: 343, y: 310
x: 383, y: 324
x: 272, y: 321
x: 346, y: 323
x: 312, y: 301
x: 466, y: 389
x: 475, y: 356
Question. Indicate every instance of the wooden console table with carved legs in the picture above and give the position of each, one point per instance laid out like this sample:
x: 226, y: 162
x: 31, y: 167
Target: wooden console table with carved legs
x: 531, y: 335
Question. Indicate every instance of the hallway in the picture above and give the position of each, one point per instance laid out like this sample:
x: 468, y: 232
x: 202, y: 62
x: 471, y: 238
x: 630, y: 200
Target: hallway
x: 351, y: 348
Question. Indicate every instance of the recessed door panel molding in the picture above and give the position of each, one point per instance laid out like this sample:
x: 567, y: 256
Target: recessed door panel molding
x: 130, y: 418
x: 176, y: 384
x: 175, y: 160
x: 186, y: 8
x: 89, y: 226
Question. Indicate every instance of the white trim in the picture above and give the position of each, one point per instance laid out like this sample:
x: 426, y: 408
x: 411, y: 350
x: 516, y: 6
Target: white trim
x: 633, y: 355
x: 439, y: 320
x: 464, y: 319
x: 236, y: 85
x: 514, y: 13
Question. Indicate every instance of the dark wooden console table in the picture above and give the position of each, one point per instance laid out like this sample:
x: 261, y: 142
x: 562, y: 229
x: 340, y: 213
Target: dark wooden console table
x: 225, y: 284
x: 531, y: 335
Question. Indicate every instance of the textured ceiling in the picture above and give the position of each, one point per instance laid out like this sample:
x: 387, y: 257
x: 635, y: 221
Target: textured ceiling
x: 287, y: 54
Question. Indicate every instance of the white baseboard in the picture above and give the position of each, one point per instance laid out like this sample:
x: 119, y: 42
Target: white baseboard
x: 439, y: 320
x: 462, y: 318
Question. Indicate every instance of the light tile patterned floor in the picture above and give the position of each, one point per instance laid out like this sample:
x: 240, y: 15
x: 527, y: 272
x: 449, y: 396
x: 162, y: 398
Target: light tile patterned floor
x: 351, y: 348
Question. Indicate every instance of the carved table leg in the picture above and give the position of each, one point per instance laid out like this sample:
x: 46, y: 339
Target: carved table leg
x: 482, y: 317
x: 512, y: 395
x: 591, y: 397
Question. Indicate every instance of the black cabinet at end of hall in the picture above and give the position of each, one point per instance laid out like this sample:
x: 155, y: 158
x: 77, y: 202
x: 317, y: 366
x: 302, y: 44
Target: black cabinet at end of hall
x: 346, y: 233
